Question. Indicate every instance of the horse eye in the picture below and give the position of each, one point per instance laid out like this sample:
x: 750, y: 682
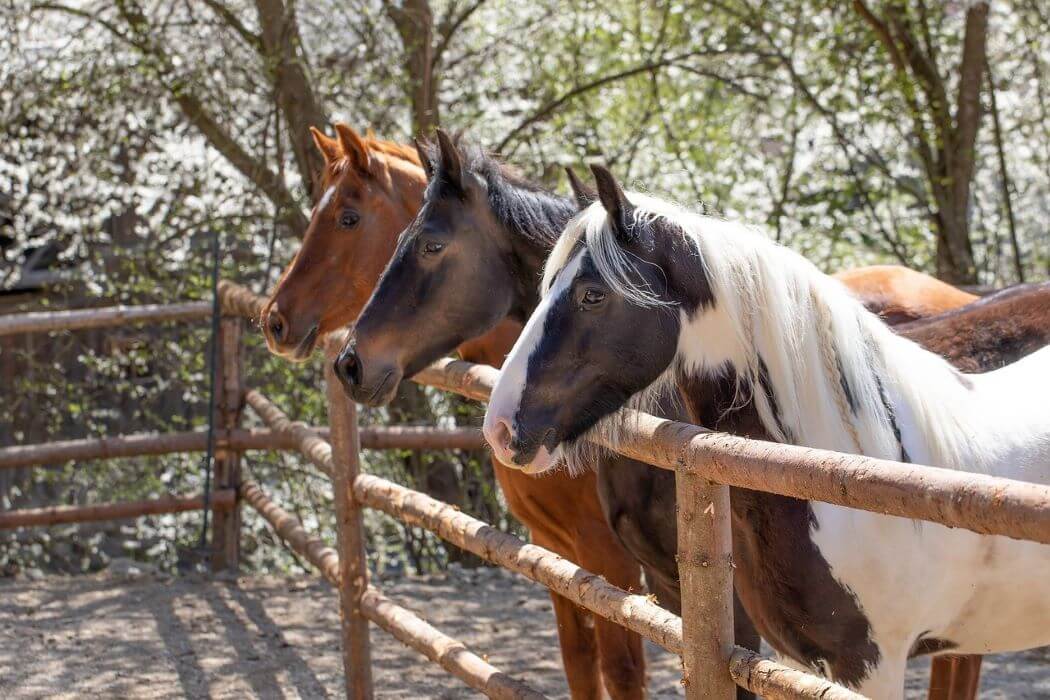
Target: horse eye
x: 592, y: 297
x: 349, y: 218
x: 432, y: 247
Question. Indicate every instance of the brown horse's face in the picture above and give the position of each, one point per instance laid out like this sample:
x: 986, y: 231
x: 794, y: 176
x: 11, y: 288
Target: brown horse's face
x: 370, y: 195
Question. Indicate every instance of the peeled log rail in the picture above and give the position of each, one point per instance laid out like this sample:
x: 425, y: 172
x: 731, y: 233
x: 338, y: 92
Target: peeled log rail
x: 985, y: 504
x: 240, y: 301
x: 142, y: 444
x: 58, y: 515
x: 635, y: 612
x: 774, y: 681
x: 43, y: 321
x: 403, y: 624
x: 313, y: 447
x: 578, y: 585
x: 572, y: 582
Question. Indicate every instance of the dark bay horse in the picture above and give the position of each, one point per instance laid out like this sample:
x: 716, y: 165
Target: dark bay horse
x: 640, y: 294
x: 373, y: 189
x: 493, y: 232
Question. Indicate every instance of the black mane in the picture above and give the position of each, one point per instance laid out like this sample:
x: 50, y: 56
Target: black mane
x: 525, y: 208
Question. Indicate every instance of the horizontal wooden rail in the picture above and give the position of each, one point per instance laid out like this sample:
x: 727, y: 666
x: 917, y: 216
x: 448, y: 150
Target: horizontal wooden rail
x: 412, y: 437
x: 985, y: 504
x: 240, y: 301
x: 403, y: 624
x: 143, y: 444
x: 44, y: 321
x: 543, y: 566
x: 57, y: 515
x: 773, y: 681
x: 577, y: 584
x: 635, y: 612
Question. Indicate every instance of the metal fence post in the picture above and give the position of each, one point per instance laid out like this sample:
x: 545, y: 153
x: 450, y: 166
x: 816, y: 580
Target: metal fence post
x: 353, y: 566
x: 705, y: 567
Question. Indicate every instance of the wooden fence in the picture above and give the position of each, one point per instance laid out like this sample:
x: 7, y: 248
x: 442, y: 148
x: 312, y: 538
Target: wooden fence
x: 705, y: 463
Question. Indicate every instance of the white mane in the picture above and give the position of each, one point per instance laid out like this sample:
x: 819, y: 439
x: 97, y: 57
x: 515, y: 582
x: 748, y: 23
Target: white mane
x: 815, y: 339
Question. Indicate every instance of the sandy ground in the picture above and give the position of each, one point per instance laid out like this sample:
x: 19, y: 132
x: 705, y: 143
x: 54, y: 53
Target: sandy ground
x: 107, y: 637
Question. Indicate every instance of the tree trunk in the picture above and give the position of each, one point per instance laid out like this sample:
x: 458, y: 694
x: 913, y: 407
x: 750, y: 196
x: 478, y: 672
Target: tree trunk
x: 947, y: 149
x: 414, y: 22
x: 282, y: 48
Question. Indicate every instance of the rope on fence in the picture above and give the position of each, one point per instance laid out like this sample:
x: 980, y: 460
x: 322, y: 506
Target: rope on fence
x: 240, y: 301
x: 774, y: 681
x: 403, y: 624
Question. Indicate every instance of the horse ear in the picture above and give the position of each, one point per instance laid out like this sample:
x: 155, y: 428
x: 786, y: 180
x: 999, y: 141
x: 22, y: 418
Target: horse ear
x: 354, y: 148
x: 451, y: 164
x: 584, y: 195
x: 329, y: 148
x: 424, y: 157
x: 620, y: 211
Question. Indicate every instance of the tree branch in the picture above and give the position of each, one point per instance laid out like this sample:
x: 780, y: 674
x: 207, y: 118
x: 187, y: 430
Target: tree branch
x: 196, y: 113
x: 550, y: 107
x: 234, y: 22
x: 450, y: 25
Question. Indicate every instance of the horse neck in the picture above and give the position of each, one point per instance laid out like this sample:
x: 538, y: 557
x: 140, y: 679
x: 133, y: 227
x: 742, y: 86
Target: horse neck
x: 530, y: 221
x: 827, y: 373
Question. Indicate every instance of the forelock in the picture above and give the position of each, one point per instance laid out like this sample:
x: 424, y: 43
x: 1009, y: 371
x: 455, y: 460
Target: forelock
x: 617, y: 267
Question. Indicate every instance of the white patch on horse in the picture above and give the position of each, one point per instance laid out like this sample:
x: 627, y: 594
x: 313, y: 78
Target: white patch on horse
x: 326, y: 198
x: 506, y: 395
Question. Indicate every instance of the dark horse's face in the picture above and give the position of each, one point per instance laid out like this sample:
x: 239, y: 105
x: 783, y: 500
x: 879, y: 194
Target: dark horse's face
x: 447, y: 283
x: 588, y: 348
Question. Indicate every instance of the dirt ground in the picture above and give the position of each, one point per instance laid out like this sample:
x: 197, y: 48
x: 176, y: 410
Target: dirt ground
x: 112, y: 636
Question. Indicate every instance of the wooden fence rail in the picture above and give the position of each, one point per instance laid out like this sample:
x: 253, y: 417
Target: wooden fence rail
x: 145, y: 444
x: 580, y: 586
x: 406, y: 626
x: 44, y: 321
x: 57, y: 515
x: 985, y: 504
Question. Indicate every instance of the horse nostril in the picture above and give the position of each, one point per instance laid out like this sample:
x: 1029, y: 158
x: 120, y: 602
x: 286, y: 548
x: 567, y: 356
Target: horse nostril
x: 502, y: 436
x: 348, y: 367
x: 276, y: 326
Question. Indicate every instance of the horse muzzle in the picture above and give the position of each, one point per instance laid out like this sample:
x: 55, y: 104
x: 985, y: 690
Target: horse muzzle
x: 373, y: 388
x: 512, y: 450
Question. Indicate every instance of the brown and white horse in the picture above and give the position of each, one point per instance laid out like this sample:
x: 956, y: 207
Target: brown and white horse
x: 639, y: 294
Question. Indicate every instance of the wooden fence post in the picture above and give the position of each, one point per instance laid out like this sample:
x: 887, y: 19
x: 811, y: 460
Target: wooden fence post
x: 229, y: 397
x: 705, y: 567
x: 353, y: 566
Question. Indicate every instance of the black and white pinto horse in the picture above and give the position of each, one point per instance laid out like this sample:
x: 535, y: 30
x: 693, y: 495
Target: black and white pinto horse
x: 641, y: 295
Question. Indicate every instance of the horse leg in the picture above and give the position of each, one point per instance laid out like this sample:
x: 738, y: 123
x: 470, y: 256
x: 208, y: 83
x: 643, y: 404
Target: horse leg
x: 955, y: 677
x: 620, y: 651
x: 886, y: 680
x: 576, y: 635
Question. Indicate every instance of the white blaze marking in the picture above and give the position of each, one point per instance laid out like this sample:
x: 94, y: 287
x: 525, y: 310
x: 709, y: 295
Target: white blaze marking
x: 506, y: 395
x: 326, y: 198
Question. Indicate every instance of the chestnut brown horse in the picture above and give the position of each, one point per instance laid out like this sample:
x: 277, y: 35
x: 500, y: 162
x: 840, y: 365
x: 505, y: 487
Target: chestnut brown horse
x: 898, y: 294
x: 376, y: 188
x: 372, y: 190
